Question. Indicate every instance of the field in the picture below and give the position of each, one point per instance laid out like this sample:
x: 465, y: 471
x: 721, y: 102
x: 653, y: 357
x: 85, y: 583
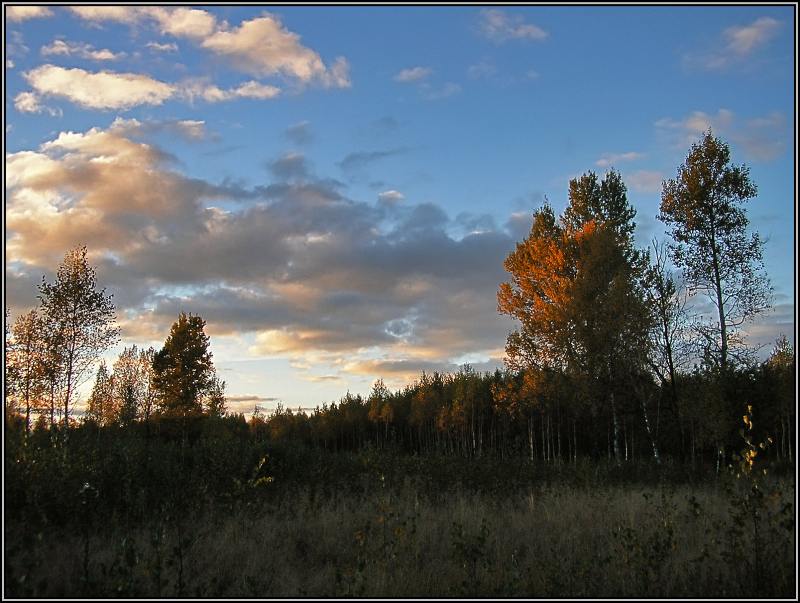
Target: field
x: 233, y: 518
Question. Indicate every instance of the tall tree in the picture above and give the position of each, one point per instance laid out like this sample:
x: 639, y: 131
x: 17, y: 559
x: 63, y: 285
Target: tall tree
x: 183, y: 371
x: 576, y: 290
x: 703, y: 207
x: 79, y: 317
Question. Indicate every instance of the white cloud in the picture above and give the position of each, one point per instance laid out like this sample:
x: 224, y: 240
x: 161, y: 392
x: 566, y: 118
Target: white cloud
x: 212, y: 93
x: 391, y: 197
x: 413, y: 74
x: 743, y: 40
x: 736, y: 44
x: 100, y: 90
x: 109, y: 90
x: 261, y: 46
x: 15, y: 14
x: 84, y: 51
x: 9, y: 64
x: 28, y: 102
x: 500, y: 27
x: 118, y: 14
x: 182, y: 22
x: 610, y: 159
x: 166, y: 47
x: 264, y: 47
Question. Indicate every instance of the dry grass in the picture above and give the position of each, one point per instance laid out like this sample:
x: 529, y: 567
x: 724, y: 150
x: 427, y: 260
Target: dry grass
x: 556, y: 541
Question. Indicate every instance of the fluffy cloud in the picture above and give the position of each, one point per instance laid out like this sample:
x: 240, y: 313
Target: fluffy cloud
x: 413, y: 74
x: 737, y: 43
x: 263, y: 47
x: 305, y: 270
x: 98, y: 90
x: 28, y: 102
x: 260, y: 47
x: 98, y: 14
x: 84, y: 51
x: 499, y: 27
x: 761, y: 138
x: 109, y: 90
x: 15, y: 14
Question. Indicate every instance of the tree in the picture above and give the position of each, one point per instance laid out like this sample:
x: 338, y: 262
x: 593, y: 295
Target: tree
x: 576, y: 289
x: 130, y: 385
x: 183, y: 372
x: 78, y: 318
x: 102, y: 406
x: 703, y: 208
x: 25, y: 356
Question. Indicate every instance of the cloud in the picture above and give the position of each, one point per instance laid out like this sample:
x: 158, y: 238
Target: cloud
x: 743, y: 40
x: 28, y: 102
x: 16, y: 14
x: 299, y: 133
x: 165, y: 47
x: 211, y: 93
x: 306, y: 271
x: 291, y: 166
x: 182, y: 22
x: 359, y: 160
x: 97, y: 14
x: 481, y: 69
x: 391, y: 197
x: 110, y: 90
x: 611, y: 159
x: 761, y: 138
x: 644, y: 181
x: 263, y: 47
x: 9, y: 64
x: 101, y: 90
x: 738, y: 43
x: 188, y: 129
x: 84, y: 51
x: 413, y: 74
x: 445, y: 91
x: 500, y: 27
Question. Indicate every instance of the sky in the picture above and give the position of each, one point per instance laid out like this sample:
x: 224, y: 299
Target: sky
x: 334, y: 189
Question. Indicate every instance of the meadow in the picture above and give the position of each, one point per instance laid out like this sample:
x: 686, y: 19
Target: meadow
x: 123, y: 513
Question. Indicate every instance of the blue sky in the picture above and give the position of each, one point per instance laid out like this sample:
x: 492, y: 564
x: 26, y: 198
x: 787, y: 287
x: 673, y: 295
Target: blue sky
x: 334, y: 189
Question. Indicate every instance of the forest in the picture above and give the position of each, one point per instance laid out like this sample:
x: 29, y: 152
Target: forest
x: 635, y: 444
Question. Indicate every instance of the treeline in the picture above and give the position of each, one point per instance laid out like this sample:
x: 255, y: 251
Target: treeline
x: 543, y: 417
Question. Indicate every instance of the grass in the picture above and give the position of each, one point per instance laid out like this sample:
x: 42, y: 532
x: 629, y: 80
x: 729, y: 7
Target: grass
x: 400, y: 537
